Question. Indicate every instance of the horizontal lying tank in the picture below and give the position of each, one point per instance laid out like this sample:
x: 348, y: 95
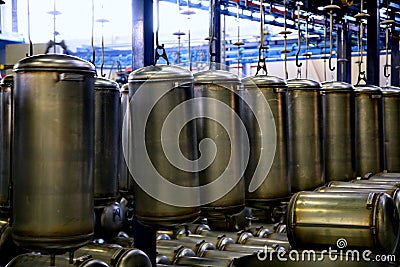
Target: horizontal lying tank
x: 6, y: 87
x: 369, y: 150
x: 166, y: 193
x: 259, y: 91
x: 38, y: 260
x: 363, y: 220
x: 115, y: 255
x: 306, y: 125
x: 53, y: 152
x: 106, y: 137
x: 339, y: 131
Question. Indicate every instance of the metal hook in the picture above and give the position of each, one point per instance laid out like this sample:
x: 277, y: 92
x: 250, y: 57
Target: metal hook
x: 298, y: 64
x: 158, y: 46
x: 386, y: 70
x: 261, y: 58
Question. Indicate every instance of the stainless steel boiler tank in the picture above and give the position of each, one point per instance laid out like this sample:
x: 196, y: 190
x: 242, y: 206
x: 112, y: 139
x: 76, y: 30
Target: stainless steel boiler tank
x: 124, y: 181
x: 391, y: 121
x: 359, y: 220
x: 106, y: 145
x: 154, y: 92
x: 276, y: 184
x: 53, y: 152
x: 339, y: 131
x: 6, y: 86
x: 368, y: 129
x: 217, y: 88
x: 306, y: 134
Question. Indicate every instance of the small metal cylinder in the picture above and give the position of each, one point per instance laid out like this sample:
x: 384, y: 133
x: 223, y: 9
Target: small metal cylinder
x: 362, y: 220
x: 37, y: 260
x: 306, y: 134
x: 276, y: 183
x: 339, y: 124
x: 106, y: 136
x: 391, y: 122
x: 6, y: 87
x: 53, y: 152
x: 369, y: 150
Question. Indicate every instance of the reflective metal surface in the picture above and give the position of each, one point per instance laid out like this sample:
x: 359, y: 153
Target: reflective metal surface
x: 364, y: 220
x: 160, y: 80
x: 368, y: 123
x: 220, y: 85
x: 38, y: 260
x: 53, y: 152
x: 6, y: 87
x: 115, y: 255
x: 276, y: 184
x: 306, y: 118
x: 391, y: 116
x: 339, y: 131
x: 106, y: 136
x: 125, y: 182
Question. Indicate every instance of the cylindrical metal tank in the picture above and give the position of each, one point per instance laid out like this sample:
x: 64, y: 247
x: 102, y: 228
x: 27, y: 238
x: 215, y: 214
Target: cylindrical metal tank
x: 115, y: 255
x: 154, y: 93
x: 125, y: 183
x: 6, y: 86
x: 393, y: 192
x: 276, y: 184
x: 218, y: 89
x: 362, y: 220
x: 306, y: 134
x: 368, y: 129
x: 39, y: 260
x: 106, y: 146
x: 339, y: 125
x: 53, y: 152
x: 361, y: 185
x: 391, y: 122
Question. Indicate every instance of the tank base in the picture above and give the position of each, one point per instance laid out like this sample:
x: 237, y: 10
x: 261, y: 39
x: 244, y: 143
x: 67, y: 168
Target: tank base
x: 168, y: 222
x: 52, y: 245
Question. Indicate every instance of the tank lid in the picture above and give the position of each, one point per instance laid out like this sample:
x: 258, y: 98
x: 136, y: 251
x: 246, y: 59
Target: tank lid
x: 215, y: 76
x: 134, y: 257
x: 336, y: 86
x: 264, y: 80
x: 160, y: 73
x: 304, y: 84
x: 105, y: 84
x: 7, y: 81
x: 390, y: 90
x: 54, y: 62
x: 368, y: 89
x: 125, y: 88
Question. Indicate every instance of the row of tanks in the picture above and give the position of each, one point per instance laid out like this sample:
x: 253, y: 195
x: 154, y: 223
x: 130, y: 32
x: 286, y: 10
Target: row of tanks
x: 73, y: 144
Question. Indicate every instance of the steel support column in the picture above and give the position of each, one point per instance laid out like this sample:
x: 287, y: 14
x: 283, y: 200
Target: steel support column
x: 344, y: 53
x: 395, y: 55
x: 373, y: 42
x: 142, y: 33
x: 215, y: 28
x: 143, y: 55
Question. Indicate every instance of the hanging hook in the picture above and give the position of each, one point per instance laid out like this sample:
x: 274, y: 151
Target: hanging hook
x: 285, y: 32
x: 92, y: 38
x: 387, y: 24
x: 298, y: 64
x: 361, y: 16
x: 158, y: 46
x: 261, y: 65
x: 331, y: 8
x: 29, y: 31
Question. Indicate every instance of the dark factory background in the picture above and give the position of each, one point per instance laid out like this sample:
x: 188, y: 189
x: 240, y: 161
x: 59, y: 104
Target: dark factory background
x: 199, y: 133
